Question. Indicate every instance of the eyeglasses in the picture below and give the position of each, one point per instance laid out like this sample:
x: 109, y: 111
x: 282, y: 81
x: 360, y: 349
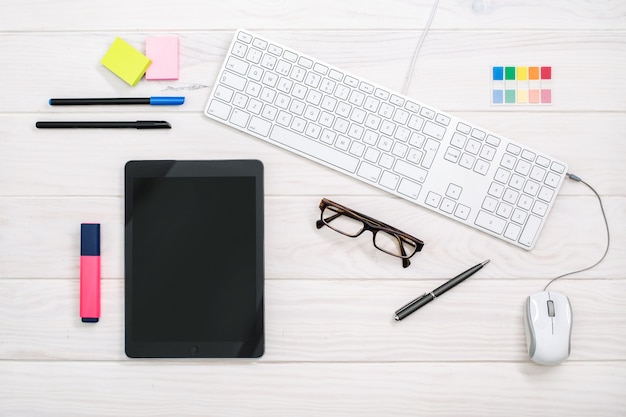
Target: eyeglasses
x: 352, y: 223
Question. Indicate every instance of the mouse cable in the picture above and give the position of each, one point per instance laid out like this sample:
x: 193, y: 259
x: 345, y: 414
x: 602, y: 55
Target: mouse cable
x: 608, y: 235
x: 418, y: 47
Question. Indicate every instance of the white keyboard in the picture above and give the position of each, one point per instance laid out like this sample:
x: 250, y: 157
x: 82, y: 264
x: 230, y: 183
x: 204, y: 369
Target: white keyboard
x: 385, y: 139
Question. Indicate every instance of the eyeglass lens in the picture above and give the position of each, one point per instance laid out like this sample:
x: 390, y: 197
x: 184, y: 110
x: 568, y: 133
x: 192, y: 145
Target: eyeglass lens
x: 385, y: 241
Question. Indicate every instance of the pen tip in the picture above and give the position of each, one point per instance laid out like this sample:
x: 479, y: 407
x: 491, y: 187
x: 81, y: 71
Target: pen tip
x: 396, y: 318
x: 486, y: 262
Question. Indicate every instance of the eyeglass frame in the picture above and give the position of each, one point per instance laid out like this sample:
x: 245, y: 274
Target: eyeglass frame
x: 374, y: 226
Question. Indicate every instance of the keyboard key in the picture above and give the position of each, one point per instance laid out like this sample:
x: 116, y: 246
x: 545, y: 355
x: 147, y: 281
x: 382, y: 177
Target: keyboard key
x: 259, y: 43
x: 447, y: 206
x: 540, y: 208
x: 233, y: 80
x: 490, y: 204
x: 478, y: 134
x: 528, y: 155
x: 454, y: 191
x: 305, y: 62
x: 322, y: 69
x: 428, y: 113
x: 223, y: 93
x: 237, y: 65
x: 434, y: 130
x: 290, y: 56
x: 335, y: 75
x: 552, y: 179
x: 314, y: 149
x: 275, y: 50
x: 512, y: 231
x: 492, y: 140
x: 462, y: 211
x: 431, y: 148
x: 452, y: 155
x: 369, y: 172
x: 409, y: 188
x: 490, y: 222
x: 239, y: 118
x: 245, y: 37
x: 259, y: 126
x: 514, y: 149
x: 443, y: 119
x: 411, y: 171
x: 389, y: 180
x: 382, y: 94
x: 487, y: 152
x: 219, y: 109
x: 463, y: 128
x: 543, y: 161
x: 546, y: 194
x: 433, y: 199
x: 530, y: 231
x: 557, y: 167
x: 458, y: 140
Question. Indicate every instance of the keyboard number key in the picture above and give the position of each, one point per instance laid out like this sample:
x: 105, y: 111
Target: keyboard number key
x: 530, y: 231
x: 546, y: 194
x: 512, y: 231
x: 490, y: 222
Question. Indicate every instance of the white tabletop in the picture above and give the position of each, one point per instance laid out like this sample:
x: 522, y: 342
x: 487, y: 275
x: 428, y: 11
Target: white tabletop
x: 332, y: 347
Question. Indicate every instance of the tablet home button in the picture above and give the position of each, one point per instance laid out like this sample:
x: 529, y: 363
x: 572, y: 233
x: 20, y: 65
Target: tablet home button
x: 193, y: 351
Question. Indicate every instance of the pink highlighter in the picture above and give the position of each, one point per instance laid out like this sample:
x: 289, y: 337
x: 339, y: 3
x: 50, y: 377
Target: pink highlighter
x: 90, y: 272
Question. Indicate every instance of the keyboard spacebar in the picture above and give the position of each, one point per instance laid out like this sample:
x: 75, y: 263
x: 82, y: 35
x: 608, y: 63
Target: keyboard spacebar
x: 314, y: 149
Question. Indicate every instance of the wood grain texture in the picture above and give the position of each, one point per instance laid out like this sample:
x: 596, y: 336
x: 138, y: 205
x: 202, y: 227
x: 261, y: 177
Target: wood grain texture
x: 447, y: 60
x: 332, y: 347
x: 168, y: 388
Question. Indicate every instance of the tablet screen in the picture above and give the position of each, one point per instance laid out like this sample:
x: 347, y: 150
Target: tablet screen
x: 194, y: 259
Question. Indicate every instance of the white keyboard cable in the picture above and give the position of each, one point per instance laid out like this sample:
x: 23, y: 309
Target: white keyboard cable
x: 419, y: 47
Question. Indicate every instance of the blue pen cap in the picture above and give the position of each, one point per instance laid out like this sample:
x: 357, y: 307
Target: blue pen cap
x: 166, y: 101
x: 90, y: 239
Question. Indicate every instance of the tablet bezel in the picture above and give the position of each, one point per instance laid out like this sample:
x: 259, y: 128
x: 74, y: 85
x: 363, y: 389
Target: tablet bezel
x: 195, y: 169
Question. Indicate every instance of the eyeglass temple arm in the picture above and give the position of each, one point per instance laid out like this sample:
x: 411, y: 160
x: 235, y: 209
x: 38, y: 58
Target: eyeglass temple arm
x: 405, y: 261
x: 320, y: 222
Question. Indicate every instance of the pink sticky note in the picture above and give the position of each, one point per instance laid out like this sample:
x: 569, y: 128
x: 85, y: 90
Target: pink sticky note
x: 163, y: 51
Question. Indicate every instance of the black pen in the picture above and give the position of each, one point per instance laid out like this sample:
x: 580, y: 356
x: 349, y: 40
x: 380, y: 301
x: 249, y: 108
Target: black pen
x: 153, y: 101
x: 430, y: 296
x: 139, y: 124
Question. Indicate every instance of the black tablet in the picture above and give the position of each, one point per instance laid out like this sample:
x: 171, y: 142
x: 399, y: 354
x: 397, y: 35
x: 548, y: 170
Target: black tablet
x: 194, y: 259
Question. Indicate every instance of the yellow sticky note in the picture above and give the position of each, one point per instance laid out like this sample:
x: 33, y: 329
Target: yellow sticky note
x: 125, y: 61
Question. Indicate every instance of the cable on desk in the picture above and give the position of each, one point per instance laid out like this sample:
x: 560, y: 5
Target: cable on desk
x: 608, y: 235
x: 418, y: 47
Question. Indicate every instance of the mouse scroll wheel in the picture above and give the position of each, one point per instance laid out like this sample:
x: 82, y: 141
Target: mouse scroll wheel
x: 550, y: 308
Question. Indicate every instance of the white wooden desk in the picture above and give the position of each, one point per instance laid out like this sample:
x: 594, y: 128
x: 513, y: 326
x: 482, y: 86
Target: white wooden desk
x: 332, y: 347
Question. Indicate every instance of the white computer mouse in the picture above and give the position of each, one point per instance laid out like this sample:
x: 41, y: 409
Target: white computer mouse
x: 548, y: 324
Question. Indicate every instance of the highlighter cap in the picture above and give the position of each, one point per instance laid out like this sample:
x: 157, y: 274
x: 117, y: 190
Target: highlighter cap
x: 90, y: 239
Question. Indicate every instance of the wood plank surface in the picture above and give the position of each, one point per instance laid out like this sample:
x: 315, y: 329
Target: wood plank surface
x: 332, y: 347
